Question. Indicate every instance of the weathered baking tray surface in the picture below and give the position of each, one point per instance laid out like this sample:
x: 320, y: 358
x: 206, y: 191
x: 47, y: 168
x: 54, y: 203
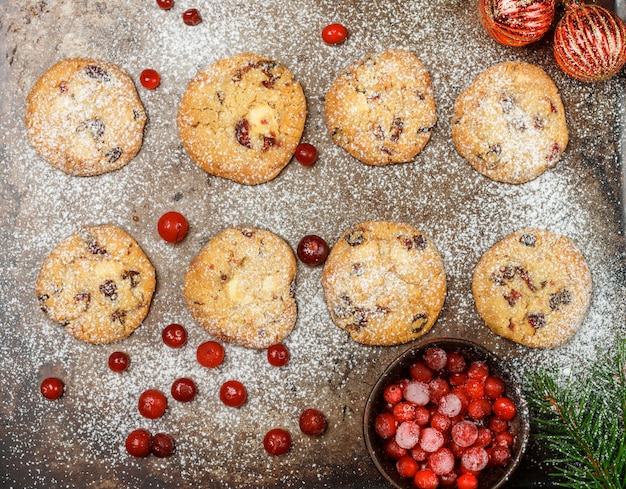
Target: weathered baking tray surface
x: 78, y: 440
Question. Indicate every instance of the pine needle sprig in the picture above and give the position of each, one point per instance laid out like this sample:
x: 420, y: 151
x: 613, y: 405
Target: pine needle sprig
x: 582, y: 420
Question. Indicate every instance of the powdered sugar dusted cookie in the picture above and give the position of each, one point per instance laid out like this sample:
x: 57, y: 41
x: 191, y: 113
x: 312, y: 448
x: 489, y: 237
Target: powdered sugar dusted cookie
x: 384, y: 283
x: 84, y: 117
x: 242, y: 118
x: 240, y: 287
x: 381, y: 109
x: 98, y: 283
x: 533, y: 287
x: 509, y: 124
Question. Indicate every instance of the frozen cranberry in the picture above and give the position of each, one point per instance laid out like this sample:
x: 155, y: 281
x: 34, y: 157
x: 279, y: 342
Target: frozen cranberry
x: 499, y: 455
x: 184, y: 390
x: 210, y: 354
x: 441, y: 422
x: 278, y: 355
x: 475, y: 459
x: 165, y: 4
x: 494, y: 387
x: 385, y: 425
x: 484, y: 438
x: 438, y: 388
x: 504, y: 408
x: 420, y: 371
x: 435, y: 357
x: 306, y: 154
x: 118, y: 361
x: 419, y: 454
x: 172, y: 227
x: 277, y: 441
x: 442, y: 461
x: 312, y: 250
x: 404, y: 411
x: 52, y: 388
x: 422, y: 416
x: 431, y: 439
x: 479, y: 408
x: 465, y: 433
x: 467, y: 481
x: 312, y: 422
x: 408, y: 434
x: 233, y: 393
x: 475, y: 388
x: 152, y: 404
x: 505, y: 439
x: 138, y: 443
x: 478, y: 370
x: 417, y: 393
x: 426, y: 479
x: 458, y: 379
x: 497, y: 425
x: 192, y: 16
x: 393, y: 450
x: 334, y: 34
x: 174, y: 335
x: 450, y: 405
x: 407, y: 467
x: 392, y: 394
x: 150, y: 79
x: 162, y: 445
x: 455, y: 363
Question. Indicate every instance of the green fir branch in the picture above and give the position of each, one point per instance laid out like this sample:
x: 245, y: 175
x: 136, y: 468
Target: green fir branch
x: 582, y: 420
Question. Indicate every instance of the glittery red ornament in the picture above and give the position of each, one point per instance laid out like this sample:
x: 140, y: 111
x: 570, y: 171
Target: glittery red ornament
x: 516, y: 22
x: 590, y: 42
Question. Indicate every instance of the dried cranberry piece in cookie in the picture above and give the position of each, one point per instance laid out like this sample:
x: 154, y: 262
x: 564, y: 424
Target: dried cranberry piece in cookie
x: 242, y: 133
x: 97, y: 73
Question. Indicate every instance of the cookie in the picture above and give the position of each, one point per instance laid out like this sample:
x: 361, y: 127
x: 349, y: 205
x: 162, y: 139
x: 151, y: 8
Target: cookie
x: 242, y: 118
x: 384, y: 283
x: 84, y: 117
x: 509, y: 124
x: 533, y: 287
x: 98, y: 283
x: 240, y: 287
x: 381, y: 109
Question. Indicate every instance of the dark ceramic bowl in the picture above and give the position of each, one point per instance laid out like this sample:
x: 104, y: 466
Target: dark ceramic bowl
x: 491, y: 477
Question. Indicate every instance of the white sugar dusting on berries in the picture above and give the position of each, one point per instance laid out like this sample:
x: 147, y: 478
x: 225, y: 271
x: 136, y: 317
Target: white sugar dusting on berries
x: 78, y: 440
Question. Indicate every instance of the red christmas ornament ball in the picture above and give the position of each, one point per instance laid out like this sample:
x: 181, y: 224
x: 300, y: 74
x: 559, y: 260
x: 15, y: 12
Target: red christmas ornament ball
x: 516, y: 22
x: 590, y: 42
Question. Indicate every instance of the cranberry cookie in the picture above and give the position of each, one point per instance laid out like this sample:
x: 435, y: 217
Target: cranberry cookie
x: 242, y: 118
x: 509, y: 124
x: 98, y: 283
x: 84, y: 117
x: 240, y: 287
x: 384, y: 283
x: 533, y: 287
x: 381, y: 109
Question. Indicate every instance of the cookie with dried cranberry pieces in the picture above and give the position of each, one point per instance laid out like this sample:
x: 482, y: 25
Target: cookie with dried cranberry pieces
x: 98, y: 283
x: 240, y: 287
x: 381, y: 109
x: 509, y: 124
x: 384, y: 282
x: 242, y: 118
x: 84, y: 117
x: 533, y: 287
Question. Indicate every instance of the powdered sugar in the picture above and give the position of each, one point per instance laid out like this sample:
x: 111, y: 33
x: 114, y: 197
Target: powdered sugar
x: 78, y: 441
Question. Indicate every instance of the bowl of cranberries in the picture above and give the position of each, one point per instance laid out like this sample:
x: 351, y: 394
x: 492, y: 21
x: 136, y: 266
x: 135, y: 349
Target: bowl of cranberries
x: 446, y: 413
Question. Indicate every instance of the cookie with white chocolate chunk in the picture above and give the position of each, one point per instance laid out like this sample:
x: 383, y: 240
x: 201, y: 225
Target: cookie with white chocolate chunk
x: 84, y: 117
x: 242, y: 118
x: 384, y: 282
x: 98, y: 283
x: 533, y: 287
x: 240, y: 287
x: 381, y: 109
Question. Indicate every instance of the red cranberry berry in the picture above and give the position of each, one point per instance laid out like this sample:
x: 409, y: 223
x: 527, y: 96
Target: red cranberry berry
x: 312, y: 250
x: 165, y: 4
x: 210, y: 354
x: 174, y: 335
x: 233, y: 393
x: 184, y: 389
x: 150, y: 79
x: 152, y: 404
x: 138, y: 443
x: 278, y: 355
x: 277, y: 441
x: 162, y: 445
x: 312, y: 422
x: 306, y: 154
x: 192, y: 16
x: 119, y: 361
x: 172, y: 227
x: 52, y: 388
x: 334, y: 34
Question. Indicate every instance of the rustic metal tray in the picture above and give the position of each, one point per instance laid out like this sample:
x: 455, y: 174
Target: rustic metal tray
x: 78, y: 441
